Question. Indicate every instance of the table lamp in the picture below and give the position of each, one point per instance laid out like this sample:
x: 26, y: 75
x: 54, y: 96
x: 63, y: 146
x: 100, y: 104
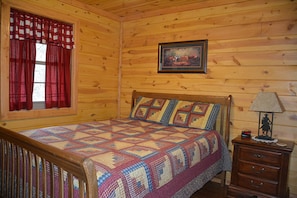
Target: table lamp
x: 266, y: 103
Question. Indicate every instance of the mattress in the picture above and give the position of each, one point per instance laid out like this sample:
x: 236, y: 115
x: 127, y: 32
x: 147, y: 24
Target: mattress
x: 136, y: 158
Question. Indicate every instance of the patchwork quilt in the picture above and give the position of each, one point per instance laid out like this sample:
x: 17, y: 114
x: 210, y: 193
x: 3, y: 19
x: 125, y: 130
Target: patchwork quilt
x: 134, y: 158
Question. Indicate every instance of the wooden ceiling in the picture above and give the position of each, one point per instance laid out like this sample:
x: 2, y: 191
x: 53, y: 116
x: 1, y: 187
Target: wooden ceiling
x: 133, y: 8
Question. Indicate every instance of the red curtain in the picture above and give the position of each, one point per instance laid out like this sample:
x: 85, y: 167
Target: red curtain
x: 24, y: 26
x: 57, y: 81
x: 21, y: 74
x: 25, y: 31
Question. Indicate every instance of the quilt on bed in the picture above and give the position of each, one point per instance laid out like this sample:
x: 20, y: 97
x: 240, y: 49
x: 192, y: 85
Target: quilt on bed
x: 135, y: 158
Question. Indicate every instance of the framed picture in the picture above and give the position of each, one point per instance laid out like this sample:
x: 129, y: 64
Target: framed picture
x: 183, y: 57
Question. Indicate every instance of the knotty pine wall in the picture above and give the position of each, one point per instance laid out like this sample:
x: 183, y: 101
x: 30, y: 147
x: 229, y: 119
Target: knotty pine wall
x: 252, y: 48
x: 97, y: 58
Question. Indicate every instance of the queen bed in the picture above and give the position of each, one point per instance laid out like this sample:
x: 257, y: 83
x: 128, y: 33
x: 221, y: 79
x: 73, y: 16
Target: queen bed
x: 169, y: 146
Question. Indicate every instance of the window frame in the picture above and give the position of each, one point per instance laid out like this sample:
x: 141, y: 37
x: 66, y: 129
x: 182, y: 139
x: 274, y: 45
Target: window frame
x: 4, y: 69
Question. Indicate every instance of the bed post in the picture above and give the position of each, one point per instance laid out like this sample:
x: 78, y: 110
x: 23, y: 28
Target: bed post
x: 91, y: 180
x: 225, y: 129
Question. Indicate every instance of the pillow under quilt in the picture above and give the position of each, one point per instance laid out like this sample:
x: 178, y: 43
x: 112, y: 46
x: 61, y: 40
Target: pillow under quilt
x: 152, y: 109
x: 194, y: 115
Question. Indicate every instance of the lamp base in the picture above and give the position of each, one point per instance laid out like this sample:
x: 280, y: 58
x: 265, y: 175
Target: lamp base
x: 266, y: 139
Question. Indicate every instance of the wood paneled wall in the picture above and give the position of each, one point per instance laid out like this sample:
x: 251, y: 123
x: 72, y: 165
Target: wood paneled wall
x: 252, y: 48
x: 97, y: 58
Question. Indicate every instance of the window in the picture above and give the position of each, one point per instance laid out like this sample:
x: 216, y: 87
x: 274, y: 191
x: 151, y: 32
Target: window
x: 53, y: 59
x: 47, y: 94
x: 39, y: 77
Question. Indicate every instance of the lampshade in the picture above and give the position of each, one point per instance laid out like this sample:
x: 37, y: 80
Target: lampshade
x: 267, y: 102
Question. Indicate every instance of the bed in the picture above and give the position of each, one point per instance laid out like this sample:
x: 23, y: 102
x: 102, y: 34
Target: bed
x: 169, y: 146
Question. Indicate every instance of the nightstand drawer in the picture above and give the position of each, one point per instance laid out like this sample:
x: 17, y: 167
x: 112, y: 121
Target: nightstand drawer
x: 259, y: 170
x: 260, y: 156
x: 257, y: 185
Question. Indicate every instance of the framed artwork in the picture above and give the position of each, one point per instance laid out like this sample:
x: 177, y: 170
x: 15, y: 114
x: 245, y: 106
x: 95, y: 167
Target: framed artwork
x: 183, y: 57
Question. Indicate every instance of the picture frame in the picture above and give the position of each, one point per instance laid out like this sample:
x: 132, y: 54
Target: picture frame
x: 183, y: 57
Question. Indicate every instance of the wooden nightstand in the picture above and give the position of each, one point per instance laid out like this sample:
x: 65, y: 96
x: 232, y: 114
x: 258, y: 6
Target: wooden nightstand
x: 260, y: 169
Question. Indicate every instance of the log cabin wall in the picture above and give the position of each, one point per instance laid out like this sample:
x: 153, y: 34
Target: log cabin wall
x: 97, y: 58
x: 252, y: 47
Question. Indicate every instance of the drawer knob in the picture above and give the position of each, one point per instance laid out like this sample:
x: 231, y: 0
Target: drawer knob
x: 261, y: 170
x: 253, y: 184
x: 258, y: 155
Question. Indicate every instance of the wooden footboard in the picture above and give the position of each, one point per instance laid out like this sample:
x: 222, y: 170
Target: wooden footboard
x: 22, y: 165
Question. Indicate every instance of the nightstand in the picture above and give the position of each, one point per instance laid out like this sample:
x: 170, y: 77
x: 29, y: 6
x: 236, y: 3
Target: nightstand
x: 259, y: 169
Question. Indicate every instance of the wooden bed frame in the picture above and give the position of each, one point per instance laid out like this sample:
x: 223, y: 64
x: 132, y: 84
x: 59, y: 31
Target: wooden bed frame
x: 20, y: 146
x: 16, y: 146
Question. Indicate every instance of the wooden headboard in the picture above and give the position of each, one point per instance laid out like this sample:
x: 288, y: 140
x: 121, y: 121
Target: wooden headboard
x: 223, y: 120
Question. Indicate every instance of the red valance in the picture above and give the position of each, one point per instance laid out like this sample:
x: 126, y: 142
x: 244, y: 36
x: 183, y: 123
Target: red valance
x: 43, y: 30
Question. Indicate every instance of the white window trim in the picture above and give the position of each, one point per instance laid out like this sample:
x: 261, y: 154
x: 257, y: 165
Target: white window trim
x: 4, y: 100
